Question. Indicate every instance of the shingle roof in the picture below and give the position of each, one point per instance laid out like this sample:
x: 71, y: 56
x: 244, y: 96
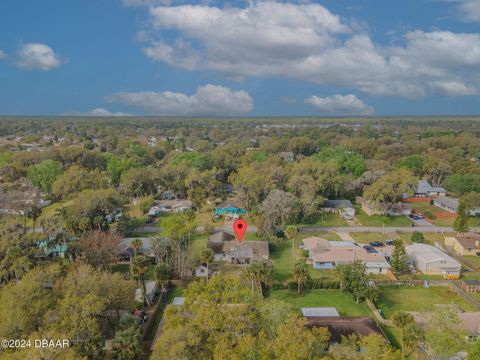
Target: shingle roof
x: 220, y: 236
x: 337, y: 204
x: 469, y: 241
x: 424, y: 188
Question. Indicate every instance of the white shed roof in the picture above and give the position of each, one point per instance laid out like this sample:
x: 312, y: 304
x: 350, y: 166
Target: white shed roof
x: 319, y: 311
x: 177, y: 301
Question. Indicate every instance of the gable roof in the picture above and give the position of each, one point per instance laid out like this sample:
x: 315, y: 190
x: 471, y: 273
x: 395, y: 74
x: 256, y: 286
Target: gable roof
x: 469, y: 241
x: 337, y: 204
x: 424, y: 187
x: 229, y: 204
x: 220, y: 236
x: 319, y: 312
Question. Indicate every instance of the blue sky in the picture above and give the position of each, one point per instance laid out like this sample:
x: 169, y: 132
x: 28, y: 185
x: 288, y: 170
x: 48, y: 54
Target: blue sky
x: 160, y: 57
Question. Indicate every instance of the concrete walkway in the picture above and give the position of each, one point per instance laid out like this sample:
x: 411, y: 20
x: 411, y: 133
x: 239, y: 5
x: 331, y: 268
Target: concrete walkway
x: 345, y: 236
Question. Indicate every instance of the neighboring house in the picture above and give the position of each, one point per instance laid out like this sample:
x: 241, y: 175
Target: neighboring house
x: 424, y: 189
x: 398, y: 209
x: 48, y: 247
x: 229, y: 207
x: 126, y: 252
x: 467, y: 244
x: 227, y: 248
x: 341, y: 327
x: 470, y: 286
x: 151, y: 289
x: 324, y: 254
x: 173, y: 206
x: 343, y: 207
x: 430, y: 260
x: 287, y: 156
x: 451, y: 205
x: 470, y: 321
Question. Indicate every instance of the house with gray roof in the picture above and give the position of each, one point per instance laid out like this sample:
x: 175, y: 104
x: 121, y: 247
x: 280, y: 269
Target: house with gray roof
x: 343, y: 207
x: 424, y: 189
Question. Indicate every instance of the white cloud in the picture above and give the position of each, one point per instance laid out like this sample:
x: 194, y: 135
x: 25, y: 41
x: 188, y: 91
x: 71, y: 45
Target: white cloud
x: 340, y: 105
x: 3, y: 54
x: 208, y: 100
x: 307, y: 42
x: 37, y: 57
x: 97, y: 112
x: 470, y: 9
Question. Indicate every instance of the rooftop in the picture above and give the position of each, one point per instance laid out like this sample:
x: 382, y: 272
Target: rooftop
x: 319, y: 312
x: 428, y: 253
x: 469, y: 241
x: 337, y: 204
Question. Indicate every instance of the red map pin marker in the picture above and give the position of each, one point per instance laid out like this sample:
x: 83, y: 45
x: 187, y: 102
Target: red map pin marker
x: 240, y: 226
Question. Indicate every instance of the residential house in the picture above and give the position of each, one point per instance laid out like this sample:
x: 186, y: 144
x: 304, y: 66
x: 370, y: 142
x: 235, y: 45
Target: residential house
x: 430, y: 260
x: 424, y: 189
x: 470, y: 321
x: 451, y: 205
x: 173, y: 206
x: 324, y: 254
x: 50, y: 248
x: 470, y: 286
x: 467, y: 244
x: 125, y: 251
x: 229, y: 207
x: 343, y: 207
x: 227, y: 248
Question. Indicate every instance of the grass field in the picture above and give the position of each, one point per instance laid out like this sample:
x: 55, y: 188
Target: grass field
x: 344, y: 303
x: 425, y: 206
x: 394, y: 299
x: 327, y: 220
x: 379, y: 220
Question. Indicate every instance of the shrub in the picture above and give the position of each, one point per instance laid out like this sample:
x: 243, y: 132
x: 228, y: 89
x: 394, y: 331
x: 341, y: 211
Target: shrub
x: 417, y: 237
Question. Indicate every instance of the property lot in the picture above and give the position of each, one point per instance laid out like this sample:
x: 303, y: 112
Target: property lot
x: 377, y: 220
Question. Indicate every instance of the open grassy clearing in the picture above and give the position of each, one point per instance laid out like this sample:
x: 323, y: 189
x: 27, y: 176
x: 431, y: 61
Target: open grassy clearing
x: 327, y: 220
x: 393, y: 299
x: 344, y: 303
x: 367, y: 237
x: 378, y: 220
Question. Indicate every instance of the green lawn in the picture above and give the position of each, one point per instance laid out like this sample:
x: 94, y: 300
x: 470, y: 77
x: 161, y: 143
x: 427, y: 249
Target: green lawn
x: 344, y: 303
x: 472, y: 222
x: 393, y: 299
x: 125, y: 270
x: 199, y: 242
x: 475, y: 260
x: 425, y: 206
x: 327, y: 220
x: 379, y: 220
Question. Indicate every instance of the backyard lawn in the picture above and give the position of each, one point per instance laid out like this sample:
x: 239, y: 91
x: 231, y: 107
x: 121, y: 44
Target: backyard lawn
x: 327, y: 220
x: 394, y: 299
x: 344, y: 303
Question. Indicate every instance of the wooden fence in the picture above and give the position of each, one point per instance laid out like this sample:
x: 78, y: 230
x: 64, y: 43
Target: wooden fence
x: 464, y: 295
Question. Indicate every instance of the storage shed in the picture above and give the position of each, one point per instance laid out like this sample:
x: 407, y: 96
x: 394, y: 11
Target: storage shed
x: 430, y: 260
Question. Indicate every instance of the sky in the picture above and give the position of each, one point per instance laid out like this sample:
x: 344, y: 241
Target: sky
x: 239, y: 58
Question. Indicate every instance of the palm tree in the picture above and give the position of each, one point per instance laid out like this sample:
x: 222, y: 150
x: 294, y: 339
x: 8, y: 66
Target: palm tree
x: 260, y: 273
x: 138, y: 268
x: 339, y: 273
x: 300, y: 274
x: 136, y: 244
x: 290, y: 233
x: 207, y: 257
x: 127, y: 345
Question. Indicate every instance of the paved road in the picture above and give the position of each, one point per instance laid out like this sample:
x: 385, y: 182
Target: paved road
x: 351, y: 229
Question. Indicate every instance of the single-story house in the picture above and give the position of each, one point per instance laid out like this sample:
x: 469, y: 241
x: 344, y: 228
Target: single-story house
x: 227, y: 248
x: 470, y: 321
x: 397, y: 209
x: 48, y: 247
x: 451, y: 205
x: 309, y: 312
x: 430, y: 260
x: 467, y: 244
x: 324, y: 254
x: 151, y: 289
x: 344, y: 326
x: 173, y: 206
x: 229, y: 207
x: 424, y: 189
x: 343, y: 207
x: 126, y: 252
x: 470, y: 286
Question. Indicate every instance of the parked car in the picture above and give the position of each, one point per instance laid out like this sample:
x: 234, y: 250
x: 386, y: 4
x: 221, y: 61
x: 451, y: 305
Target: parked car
x: 376, y: 243
x: 369, y: 249
x: 389, y: 242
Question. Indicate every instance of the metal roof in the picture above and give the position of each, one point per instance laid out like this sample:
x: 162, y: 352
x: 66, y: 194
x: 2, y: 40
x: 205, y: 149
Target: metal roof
x: 319, y: 311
